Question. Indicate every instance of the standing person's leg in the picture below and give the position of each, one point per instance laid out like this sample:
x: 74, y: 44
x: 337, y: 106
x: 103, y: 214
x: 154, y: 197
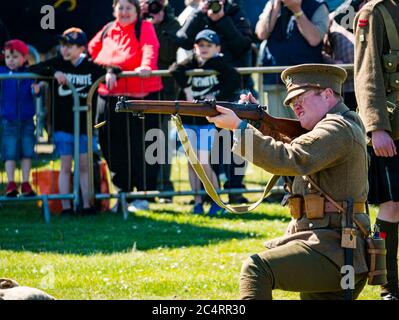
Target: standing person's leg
x: 293, y: 267
x: 384, y: 191
x: 12, y: 189
x: 84, y: 179
x: 28, y: 150
x: 150, y: 122
x: 113, y: 138
x: 64, y: 180
x: 10, y: 152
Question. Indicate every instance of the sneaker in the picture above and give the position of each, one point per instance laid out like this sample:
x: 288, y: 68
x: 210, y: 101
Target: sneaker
x: 215, y: 210
x: 198, y: 209
x: 137, y: 205
x: 12, y: 189
x: 390, y: 296
x: 27, y: 190
x: 165, y: 200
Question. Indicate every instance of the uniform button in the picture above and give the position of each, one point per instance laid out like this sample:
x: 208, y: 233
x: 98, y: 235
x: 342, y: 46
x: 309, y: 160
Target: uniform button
x: 310, y: 225
x: 390, y: 64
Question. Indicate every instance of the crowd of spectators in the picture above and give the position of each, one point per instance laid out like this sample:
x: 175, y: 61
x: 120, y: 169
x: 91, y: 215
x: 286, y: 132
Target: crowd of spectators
x: 146, y: 35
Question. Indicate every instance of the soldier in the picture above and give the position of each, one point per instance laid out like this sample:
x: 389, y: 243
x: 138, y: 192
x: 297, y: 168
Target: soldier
x: 376, y: 60
x: 330, y: 166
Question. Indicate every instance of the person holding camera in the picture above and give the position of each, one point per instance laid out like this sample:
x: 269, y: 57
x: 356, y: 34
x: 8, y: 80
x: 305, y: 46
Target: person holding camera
x: 229, y: 21
x: 293, y: 33
x: 164, y: 20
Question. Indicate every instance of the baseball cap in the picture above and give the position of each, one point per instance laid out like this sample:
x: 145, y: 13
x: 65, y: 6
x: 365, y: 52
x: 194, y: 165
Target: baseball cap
x: 17, y: 45
x: 208, y: 35
x: 74, y: 36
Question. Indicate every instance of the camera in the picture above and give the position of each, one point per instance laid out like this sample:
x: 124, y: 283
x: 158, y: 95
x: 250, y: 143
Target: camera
x: 154, y: 6
x: 214, y: 6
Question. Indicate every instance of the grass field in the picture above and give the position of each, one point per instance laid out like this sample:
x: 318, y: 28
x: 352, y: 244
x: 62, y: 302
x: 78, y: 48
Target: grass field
x: 164, y: 253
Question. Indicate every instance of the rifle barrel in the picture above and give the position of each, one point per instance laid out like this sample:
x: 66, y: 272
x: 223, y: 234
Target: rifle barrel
x: 248, y: 111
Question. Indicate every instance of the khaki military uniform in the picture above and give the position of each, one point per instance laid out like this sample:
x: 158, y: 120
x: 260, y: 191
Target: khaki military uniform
x: 309, y: 256
x: 376, y: 82
x: 371, y: 43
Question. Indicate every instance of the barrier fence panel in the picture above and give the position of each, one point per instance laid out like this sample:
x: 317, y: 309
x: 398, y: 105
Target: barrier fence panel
x: 45, y: 198
x: 123, y: 197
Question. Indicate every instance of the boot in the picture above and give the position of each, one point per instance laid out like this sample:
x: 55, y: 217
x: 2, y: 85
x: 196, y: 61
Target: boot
x: 389, y: 231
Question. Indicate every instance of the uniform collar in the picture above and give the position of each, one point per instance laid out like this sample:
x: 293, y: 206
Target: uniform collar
x: 339, y: 108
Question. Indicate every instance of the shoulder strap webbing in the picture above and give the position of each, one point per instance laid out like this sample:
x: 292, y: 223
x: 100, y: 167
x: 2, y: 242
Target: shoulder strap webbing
x: 392, y: 32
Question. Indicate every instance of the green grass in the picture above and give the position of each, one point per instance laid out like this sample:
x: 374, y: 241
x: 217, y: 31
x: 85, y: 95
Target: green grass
x: 165, y: 253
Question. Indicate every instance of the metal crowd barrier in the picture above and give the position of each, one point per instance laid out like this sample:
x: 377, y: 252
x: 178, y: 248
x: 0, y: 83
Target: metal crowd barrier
x: 123, y: 196
x: 75, y: 194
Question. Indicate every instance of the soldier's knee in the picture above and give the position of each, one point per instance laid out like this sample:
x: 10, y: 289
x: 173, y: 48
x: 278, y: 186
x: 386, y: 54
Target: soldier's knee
x: 256, y: 280
x: 254, y: 266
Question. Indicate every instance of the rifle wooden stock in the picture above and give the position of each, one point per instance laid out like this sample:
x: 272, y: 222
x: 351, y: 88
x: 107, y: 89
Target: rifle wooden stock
x: 282, y: 129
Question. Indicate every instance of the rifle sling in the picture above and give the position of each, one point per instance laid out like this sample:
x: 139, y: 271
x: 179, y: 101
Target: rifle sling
x: 209, y: 188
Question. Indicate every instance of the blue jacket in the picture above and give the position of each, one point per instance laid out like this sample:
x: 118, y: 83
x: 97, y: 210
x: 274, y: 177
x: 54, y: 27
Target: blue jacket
x: 16, y: 98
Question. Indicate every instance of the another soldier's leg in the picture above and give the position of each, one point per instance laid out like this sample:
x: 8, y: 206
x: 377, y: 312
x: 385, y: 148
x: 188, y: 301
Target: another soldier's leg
x: 384, y: 190
x: 291, y: 267
x: 387, y: 222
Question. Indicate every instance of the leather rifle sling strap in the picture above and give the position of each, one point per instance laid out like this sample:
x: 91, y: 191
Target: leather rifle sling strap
x: 209, y: 188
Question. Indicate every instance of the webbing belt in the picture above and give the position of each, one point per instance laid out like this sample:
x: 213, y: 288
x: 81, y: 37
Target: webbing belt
x: 209, y: 188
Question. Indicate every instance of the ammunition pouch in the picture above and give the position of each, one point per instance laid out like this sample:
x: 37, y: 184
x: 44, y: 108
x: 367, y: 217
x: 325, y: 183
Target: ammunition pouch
x: 376, y: 261
x: 295, y: 206
x: 390, y: 62
x: 314, y: 206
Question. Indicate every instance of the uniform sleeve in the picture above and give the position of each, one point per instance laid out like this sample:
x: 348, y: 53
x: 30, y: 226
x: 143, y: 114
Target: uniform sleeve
x: 305, y: 155
x: 369, y: 79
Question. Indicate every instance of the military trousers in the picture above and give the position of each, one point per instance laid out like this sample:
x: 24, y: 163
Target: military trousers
x: 294, y: 267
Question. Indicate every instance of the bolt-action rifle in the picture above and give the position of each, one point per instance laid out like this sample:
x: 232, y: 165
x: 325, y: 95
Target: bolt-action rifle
x: 281, y: 129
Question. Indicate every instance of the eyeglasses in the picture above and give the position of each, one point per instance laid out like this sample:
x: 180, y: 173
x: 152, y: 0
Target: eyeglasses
x: 299, y: 100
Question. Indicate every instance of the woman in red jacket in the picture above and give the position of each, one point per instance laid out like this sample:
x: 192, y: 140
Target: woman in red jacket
x: 132, y: 45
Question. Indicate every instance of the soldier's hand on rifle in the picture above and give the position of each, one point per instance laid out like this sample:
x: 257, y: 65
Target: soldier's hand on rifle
x: 227, y: 119
x: 110, y: 80
x: 383, y: 144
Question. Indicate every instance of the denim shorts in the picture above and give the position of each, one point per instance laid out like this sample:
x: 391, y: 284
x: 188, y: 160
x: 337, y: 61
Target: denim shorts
x: 201, y: 137
x: 64, y: 143
x: 18, y: 139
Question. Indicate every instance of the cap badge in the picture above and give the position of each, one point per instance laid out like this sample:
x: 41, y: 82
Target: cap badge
x: 288, y: 81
